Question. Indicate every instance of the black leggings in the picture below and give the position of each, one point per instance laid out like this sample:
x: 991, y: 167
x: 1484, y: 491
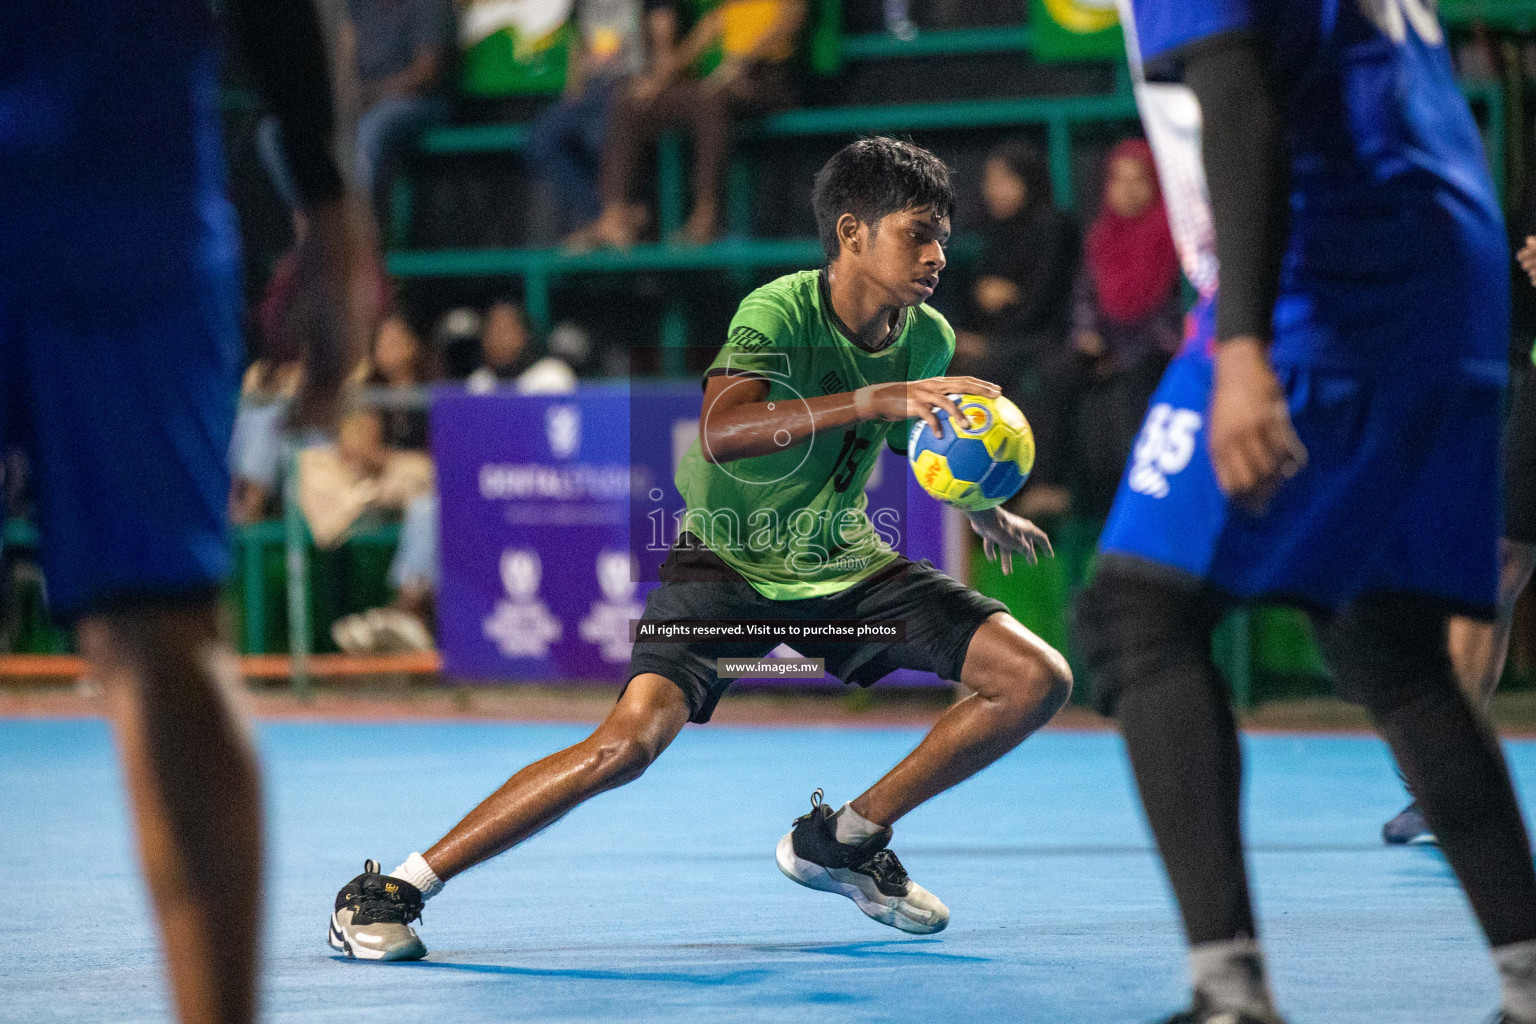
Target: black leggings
x: 1146, y: 641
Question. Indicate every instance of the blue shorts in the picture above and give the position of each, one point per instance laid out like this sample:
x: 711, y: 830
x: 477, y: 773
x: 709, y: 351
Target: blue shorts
x: 122, y: 400
x: 1400, y: 492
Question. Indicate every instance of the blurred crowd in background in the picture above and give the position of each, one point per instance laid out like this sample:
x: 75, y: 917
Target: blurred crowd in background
x: 1073, y: 307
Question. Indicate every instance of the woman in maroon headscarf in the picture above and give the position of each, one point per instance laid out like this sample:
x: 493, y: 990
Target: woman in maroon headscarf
x: 1127, y: 323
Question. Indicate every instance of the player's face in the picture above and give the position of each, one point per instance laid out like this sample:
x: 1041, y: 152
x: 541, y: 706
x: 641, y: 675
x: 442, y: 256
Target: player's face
x: 905, y: 253
x: 1129, y: 188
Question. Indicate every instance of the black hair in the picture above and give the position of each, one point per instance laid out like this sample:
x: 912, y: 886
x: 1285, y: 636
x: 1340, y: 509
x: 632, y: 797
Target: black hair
x: 874, y: 177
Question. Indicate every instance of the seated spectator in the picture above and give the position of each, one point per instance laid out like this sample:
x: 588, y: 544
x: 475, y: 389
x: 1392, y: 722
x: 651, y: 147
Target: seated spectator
x: 271, y: 381
x: 400, y: 53
x: 1020, y: 308
x: 379, y: 464
x: 398, y: 362
x: 505, y: 347
x: 572, y: 344
x: 565, y: 143
x: 362, y: 475
x: 1127, y: 324
x: 756, y: 74
x: 256, y: 446
x: 508, y: 356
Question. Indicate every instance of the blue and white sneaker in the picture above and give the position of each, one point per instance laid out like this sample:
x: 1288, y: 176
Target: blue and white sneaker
x: 1408, y: 829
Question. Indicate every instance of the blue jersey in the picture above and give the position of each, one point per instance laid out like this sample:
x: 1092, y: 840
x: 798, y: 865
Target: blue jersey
x: 120, y: 344
x: 1397, y: 253
x: 109, y: 114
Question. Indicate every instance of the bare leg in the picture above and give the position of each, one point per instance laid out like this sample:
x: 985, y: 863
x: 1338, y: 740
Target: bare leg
x: 1019, y: 682
x: 1478, y: 649
x: 633, y: 122
x: 641, y: 725
x: 711, y: 116
x: 196, y: 795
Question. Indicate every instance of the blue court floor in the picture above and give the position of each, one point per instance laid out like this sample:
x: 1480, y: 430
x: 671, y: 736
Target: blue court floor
x: 661, y: 902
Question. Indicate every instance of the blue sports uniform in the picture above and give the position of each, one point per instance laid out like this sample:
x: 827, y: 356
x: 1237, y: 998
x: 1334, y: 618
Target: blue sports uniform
x: 1389, y: 331
x: 120, y: 343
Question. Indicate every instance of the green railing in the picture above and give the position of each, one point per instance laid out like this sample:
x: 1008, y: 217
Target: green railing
x: 953, y: 42
x: 1061, y: 116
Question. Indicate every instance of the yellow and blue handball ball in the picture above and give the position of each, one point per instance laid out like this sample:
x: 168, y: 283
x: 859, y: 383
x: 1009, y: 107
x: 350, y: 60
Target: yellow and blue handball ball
x: 979, y: 462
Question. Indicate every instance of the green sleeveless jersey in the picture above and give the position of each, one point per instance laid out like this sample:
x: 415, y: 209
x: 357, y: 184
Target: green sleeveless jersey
x: 793, y: 523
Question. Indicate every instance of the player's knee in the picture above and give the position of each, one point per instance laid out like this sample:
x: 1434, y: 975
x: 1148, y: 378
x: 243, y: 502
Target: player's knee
x: 1039, y: 686
x: 1030, y: 681
x: 1134, y: 631
x: 618, y: 760
x: 1387, y: 650
x: 1044, y: 682
x: 1518, y: 562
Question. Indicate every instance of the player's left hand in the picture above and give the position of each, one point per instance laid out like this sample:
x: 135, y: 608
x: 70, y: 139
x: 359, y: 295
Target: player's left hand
x: 1002, y: 533
x: 1253, y: 446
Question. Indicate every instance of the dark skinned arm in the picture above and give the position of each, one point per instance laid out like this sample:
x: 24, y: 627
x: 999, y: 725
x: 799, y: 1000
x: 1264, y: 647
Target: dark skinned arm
x: 1253, y: 446
x: 737, y: 421
x: 1243, y: 148
x: 696, y: 42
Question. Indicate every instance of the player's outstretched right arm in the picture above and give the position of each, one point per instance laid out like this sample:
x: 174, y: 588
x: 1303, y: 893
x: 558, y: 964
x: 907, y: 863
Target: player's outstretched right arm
x: 739, y: 422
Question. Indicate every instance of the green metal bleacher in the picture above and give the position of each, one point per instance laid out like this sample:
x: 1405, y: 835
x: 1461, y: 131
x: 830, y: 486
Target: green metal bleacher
x: 1060, y: 116
x: 739, y: 253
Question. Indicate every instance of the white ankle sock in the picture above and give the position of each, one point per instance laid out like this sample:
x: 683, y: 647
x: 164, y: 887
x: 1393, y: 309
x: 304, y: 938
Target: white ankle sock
x: 852, y: 827
x: 1517, y: 978
x: 1230, y: 976
x: 419, y: 873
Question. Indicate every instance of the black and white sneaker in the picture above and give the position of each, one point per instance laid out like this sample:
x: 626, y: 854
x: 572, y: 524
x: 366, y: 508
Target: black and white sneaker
x: 373, y: 915
x: 866, y: 872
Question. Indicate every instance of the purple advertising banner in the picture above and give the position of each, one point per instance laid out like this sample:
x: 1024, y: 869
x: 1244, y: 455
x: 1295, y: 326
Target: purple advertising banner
x: 554, y: 508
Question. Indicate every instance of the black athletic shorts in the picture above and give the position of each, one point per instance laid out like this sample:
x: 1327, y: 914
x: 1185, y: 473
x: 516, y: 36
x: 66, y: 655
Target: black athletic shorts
x: 941, y: 615
x: 1520, y: 462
